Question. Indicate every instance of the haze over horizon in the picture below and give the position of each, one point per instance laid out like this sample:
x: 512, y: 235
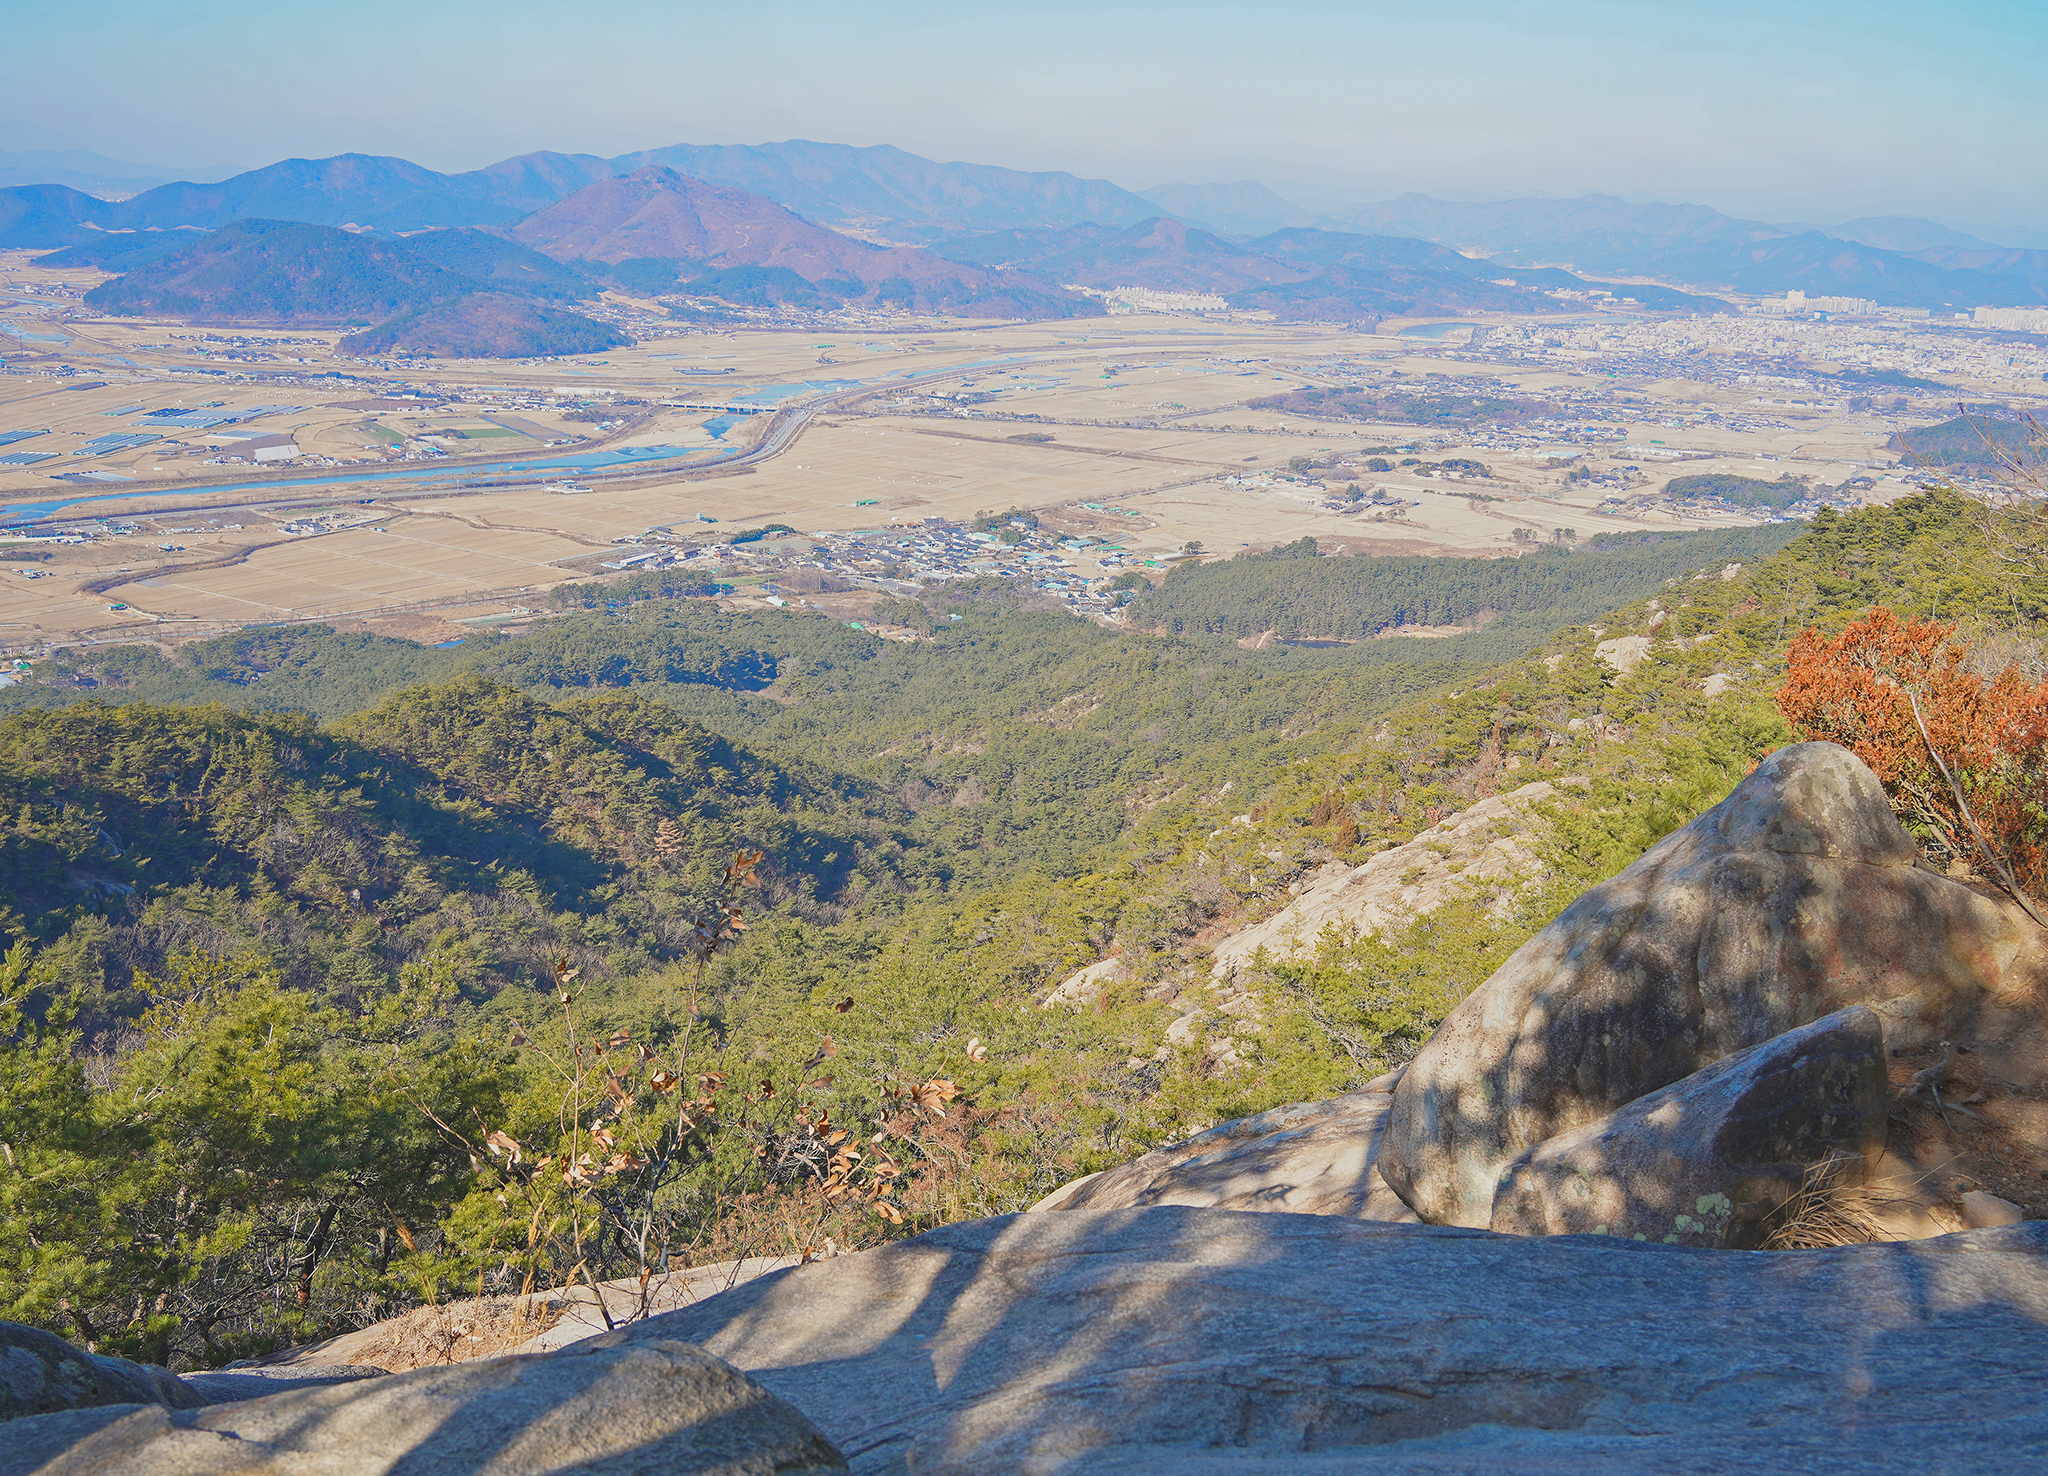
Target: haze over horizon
x: 1816, y: 111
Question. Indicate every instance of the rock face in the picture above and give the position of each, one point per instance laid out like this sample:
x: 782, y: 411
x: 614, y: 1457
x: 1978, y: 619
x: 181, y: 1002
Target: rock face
x: 1173, y: 1340
x: 1488, y: 844
x: 1311, y: 1158
x: 655, y: 1408
x: 1794, y: 897
x: 1707, y: 1160
x: 41, y: 1373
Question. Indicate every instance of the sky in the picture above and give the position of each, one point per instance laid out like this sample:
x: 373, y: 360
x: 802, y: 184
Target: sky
x: 1789, y: 110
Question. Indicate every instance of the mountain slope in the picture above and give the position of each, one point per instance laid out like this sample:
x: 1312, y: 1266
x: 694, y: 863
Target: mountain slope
x: 485, y: 257
x: 656, y: 214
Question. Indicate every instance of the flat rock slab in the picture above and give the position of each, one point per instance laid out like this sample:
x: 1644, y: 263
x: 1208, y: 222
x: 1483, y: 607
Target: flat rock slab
x: 1310, y: 1158
x: 657, y: 1408
x: 1709, y: 1160
x: 1187, y: 1340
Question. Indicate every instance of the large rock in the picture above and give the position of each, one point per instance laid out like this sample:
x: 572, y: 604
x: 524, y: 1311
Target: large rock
x: 1708, y: 1160
x: 655, y: 1408
x: 1796, y: 896
x: 1311, y: 1158
x: 1188, y: 1341
x: 41, y: 1373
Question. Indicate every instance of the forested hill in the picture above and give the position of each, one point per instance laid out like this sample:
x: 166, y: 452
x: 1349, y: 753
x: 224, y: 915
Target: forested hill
x: 658, y: 643
x: 1298, y: 594
x: 466, y: 823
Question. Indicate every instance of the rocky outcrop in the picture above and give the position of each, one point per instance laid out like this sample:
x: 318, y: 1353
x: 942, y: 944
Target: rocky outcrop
x: 1085, y: 985
x: 1186, y: 1341
x: 1491, y: 845
x: 1796, y: 896
x: 1312, y: 1158
x: 654, y: 1407
x: 1710, y: 1160
x: 41, y: 1373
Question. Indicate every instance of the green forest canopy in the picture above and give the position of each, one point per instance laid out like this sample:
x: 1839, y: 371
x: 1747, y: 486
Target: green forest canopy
x: 1739, y: 491
x: 1350, y: 597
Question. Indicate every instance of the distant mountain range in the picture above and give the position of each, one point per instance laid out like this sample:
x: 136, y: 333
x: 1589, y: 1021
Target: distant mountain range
x: 1296, y: 273
x: 880, y: 190
x: 1897, y: 260
x: 484, y: 291
x: 799, y: 223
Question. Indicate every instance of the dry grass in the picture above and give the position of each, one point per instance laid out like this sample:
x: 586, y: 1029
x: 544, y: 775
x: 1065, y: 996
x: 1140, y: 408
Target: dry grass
x: 1829, y: 1210
x: 427, y: 1337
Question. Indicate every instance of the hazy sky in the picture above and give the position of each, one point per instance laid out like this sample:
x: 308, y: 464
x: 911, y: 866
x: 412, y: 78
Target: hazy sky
x: 1783, y: 108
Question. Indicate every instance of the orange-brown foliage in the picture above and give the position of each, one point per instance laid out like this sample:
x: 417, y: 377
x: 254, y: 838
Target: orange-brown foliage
x: 1859, y: 690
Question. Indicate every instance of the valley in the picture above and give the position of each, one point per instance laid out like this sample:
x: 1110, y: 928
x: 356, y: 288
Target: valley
x: 252, y: 477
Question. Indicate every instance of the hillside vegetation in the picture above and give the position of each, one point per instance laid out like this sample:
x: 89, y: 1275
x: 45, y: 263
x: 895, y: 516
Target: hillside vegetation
x: 472, y: 986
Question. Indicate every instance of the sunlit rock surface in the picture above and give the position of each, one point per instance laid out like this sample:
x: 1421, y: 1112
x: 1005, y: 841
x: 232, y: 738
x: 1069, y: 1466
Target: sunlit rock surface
x: 1185, y: 1340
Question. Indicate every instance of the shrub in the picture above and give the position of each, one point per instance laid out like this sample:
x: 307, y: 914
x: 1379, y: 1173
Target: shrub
x: 1964, y: 758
